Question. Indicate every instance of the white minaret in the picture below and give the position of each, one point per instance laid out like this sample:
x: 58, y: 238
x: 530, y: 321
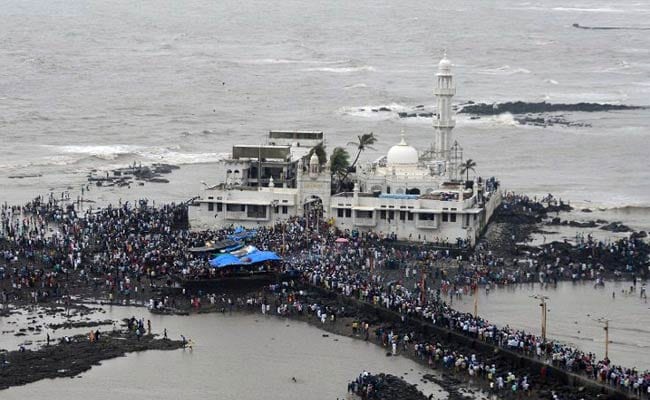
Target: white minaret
x: 445, y: 122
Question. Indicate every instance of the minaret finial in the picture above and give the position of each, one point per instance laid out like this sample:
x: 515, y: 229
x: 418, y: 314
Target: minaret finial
x: 403, y: 141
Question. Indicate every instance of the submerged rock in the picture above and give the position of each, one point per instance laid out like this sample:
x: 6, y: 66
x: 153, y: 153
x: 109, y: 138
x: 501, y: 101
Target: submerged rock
x: 616, y: 227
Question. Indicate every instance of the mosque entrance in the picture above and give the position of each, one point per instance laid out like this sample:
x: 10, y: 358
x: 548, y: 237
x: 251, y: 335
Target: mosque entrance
x: 313, y: 209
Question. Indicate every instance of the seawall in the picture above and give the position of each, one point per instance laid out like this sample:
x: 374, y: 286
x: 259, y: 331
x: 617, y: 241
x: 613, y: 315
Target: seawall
x: 556, y: 378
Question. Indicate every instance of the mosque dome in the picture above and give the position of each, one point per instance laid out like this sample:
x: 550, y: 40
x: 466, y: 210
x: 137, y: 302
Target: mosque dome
x: 444, y: 64
x: 402, y: 153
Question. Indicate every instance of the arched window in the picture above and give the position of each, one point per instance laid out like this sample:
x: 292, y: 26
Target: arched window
x: 413, y: 191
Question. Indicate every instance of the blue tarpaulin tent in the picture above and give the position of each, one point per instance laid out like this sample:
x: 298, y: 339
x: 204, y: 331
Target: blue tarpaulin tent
x: 261, y: 256
x: 241, y: 234
x: 224, y: 260
x: 254, y: 257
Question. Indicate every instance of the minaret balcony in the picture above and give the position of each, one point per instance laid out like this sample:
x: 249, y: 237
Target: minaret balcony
x: 444, y: 124
x: 444, y: 91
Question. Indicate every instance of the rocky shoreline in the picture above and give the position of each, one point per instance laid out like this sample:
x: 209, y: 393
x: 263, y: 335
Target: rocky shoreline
x: 384, y: 387
x: 540, y: 114
x: 71, y: 357
x: 522, y: 107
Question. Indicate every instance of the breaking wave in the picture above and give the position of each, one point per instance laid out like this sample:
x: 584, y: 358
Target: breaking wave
x: 343, y: 70
x: 96, y: 156
x: 594, y: 10
x: 378, y: 112
x: 504, y: 70
x: 108, y: 152
x: 356, y: 86
x: 271, y: 61
x: 505, y: 119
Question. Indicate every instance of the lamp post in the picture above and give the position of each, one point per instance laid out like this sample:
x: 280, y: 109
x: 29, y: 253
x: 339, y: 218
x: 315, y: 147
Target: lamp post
x: 605, y: 322
x: 544, y: 306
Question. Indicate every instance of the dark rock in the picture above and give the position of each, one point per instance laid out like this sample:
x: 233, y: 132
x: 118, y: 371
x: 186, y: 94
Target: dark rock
x: 71, y: 359
x: 616, y: 227
x: 521, y: 107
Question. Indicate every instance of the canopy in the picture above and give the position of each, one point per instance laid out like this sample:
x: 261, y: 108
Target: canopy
x: 224, y: 260
x: 254, y: 257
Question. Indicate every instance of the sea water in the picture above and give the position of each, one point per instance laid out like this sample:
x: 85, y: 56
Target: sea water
x: 94, y: 85
x: 238, y: 356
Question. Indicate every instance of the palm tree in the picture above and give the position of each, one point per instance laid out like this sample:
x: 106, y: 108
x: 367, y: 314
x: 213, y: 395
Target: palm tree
x: 365, y: 142
x: 339, y: 164
x: 467, y: 166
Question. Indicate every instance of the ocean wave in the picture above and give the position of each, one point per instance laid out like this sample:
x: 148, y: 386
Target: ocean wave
x: 551, y: 81
x: 379, y: 112
x: 356, y: 86
x: 573, y: 9
x: 504, y: 70
x: 343, y: 70
x: 594, y: 10
x: 104, y: 152
x: 271, y: 61
x: 118, y: 155
x: 504, y: 119
x: 179, y: 158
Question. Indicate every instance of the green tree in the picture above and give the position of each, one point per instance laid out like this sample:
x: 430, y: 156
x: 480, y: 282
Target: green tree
x: 467, y: 166
x: 365, y: 142
x: 339, y: 164
x: 320, y: 153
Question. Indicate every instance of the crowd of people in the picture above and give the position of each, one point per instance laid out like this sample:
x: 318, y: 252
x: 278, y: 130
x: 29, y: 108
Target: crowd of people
x: 50, y: 249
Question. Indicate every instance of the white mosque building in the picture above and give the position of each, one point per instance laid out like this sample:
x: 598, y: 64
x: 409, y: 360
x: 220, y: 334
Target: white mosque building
x: 405, y: 194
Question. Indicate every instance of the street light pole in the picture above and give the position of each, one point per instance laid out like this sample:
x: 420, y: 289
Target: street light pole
x: 544, y: 307
x: 606, y: 329
x: 607, y: 339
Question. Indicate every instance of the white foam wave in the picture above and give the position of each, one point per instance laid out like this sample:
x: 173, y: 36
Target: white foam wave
x: 389, y: 111
x: 178, y: 158
x: 356, y: 86
x: 551, y: 81
x: 343, y: 70
x: 505, y: 119
x: 105, y: 152
x: 119, y: 154
x: 504, y: 70
x: 594, y: 10
x: 574, y: 9
x: 271, y: 61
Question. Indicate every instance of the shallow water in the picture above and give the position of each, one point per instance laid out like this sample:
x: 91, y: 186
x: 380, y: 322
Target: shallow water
x: 572, y: 311
x: 234, y: 357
